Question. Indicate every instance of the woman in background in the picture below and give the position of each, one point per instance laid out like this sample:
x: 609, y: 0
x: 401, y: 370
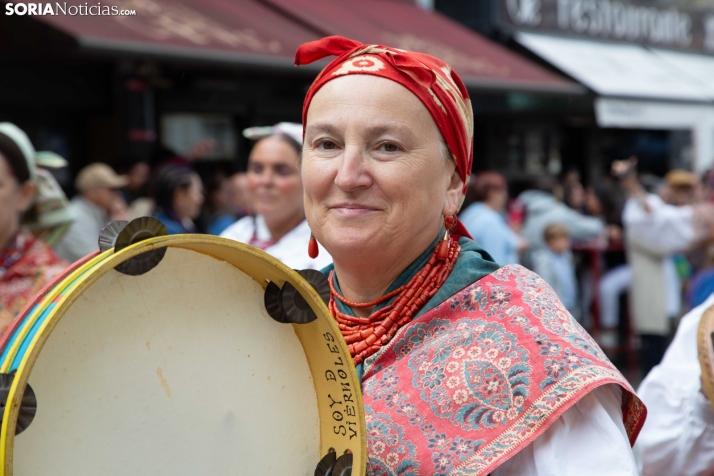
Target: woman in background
x: 26, y: 263
x: 485, y: 222
x: 178, y: 193
x: 278, y: 226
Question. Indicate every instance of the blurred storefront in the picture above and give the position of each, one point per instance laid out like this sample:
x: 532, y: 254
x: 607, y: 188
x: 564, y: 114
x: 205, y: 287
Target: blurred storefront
x: 507, y: 91
x: 166, y: 78
x: 648, y: 67
x: 118, y: 89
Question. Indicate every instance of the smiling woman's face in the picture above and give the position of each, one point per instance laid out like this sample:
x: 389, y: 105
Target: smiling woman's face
x: 376, y: 182
x: 274, y: 180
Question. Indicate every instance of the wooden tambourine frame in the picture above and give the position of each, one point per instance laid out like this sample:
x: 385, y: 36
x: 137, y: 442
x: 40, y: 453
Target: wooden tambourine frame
x: 342, y: 426
x: 705, y: 352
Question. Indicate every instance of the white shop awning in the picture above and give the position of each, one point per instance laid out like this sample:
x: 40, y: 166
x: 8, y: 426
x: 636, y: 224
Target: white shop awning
x: 624, y: 70
x: 699, y: 67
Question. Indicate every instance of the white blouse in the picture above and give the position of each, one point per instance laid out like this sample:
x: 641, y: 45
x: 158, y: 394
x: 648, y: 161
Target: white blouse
x: 678, y: 435
x: 589, y: 439
x: 291, y: 249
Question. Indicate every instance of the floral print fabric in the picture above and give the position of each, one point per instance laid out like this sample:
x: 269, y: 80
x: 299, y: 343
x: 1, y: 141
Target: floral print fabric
x: 471, y: 382
x: 25, y: 266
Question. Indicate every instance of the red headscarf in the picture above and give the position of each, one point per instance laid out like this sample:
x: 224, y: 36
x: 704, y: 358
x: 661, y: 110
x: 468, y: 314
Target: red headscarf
x: 431, y: 80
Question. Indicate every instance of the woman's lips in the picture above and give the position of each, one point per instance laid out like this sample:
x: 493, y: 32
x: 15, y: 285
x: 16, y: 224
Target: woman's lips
x: 266, y: 198
x: 352, y: 209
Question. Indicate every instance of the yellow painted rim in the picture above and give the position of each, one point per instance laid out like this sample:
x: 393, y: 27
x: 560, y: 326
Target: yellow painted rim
x: 332, y: 370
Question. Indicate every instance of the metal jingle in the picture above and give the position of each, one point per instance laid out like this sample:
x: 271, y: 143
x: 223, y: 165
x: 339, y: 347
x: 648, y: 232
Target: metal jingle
x: 295, y: 306
x: 135, y: 231
x: 139, y: 229
x: 326, y: 464
x: 28, y: 404
x: 108, y: 235
x: 272, y: 303
x: 318, y: 281
x: 343, y: 465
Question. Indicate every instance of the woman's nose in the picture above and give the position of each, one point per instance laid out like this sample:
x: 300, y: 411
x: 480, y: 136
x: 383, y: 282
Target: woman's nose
x: 351, y: 170
x: 266, y: 178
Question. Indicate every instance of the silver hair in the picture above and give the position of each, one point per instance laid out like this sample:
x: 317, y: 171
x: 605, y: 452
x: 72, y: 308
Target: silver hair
x: 444, y: 151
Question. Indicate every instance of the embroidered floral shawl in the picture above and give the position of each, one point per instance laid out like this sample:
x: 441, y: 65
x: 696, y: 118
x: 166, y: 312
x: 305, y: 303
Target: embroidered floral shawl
x: 479, y: 376
x: 25, y: 266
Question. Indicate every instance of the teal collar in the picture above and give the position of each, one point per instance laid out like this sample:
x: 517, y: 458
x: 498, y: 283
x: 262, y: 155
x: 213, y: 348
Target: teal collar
x: 472, y: 264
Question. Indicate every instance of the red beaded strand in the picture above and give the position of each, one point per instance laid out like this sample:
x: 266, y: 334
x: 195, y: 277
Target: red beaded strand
x: 366, y: 335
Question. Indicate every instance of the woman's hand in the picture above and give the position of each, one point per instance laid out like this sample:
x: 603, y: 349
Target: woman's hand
x: 622, y: 169
x: 625, y: 171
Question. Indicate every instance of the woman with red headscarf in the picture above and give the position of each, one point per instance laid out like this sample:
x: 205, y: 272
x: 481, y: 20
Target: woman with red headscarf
x: 467, y: 368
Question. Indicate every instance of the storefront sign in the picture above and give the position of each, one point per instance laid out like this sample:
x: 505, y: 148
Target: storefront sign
x: 619, y: 20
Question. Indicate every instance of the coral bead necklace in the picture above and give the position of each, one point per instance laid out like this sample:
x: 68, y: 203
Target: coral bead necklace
x: 366, y: 335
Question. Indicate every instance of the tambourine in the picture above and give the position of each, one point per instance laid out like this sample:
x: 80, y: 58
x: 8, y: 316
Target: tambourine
x: 179, y: 355
x: 705, y: 351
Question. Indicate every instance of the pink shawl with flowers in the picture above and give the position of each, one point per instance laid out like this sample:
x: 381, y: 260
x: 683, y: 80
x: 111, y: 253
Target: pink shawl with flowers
x: 470, y: 383
x: 26, y: 264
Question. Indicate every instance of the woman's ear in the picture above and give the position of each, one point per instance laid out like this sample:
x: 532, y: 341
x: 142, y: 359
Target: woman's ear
x: 454, y: 194
x: 27, y: 194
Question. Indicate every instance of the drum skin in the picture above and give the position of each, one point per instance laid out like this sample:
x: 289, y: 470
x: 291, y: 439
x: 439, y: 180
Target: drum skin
x: 179, y: 371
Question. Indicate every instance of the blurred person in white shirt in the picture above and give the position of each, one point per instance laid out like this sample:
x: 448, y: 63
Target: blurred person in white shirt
x: 655, y: 230
x: 678, y: 435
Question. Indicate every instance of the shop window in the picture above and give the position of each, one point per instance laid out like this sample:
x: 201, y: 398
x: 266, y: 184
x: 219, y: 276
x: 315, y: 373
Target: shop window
x: 531, y: 151
x: 211, y: 136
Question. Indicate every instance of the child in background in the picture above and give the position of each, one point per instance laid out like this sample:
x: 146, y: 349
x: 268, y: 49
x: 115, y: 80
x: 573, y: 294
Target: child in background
x: 555, y: 265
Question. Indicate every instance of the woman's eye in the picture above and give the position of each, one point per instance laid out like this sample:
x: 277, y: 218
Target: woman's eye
x: 328, y: 145
x: 390, y: 147
x: 284, y: 170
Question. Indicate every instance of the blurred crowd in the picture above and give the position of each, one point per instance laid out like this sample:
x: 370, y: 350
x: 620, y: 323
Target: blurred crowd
x: 42, y: 232
x: 627, y: 254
